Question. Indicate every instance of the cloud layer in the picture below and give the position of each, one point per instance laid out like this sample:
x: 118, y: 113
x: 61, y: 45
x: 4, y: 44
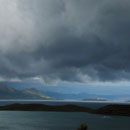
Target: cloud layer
x: 86, y: 40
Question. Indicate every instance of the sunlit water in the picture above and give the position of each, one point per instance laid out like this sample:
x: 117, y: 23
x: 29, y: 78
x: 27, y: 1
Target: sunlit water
x: 60, y: 121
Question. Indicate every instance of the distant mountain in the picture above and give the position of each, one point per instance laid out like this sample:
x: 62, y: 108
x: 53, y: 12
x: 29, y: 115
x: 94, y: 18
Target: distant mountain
x: 87, y: 96
x: 94, y: 99
x: 63, y: 91
x: 35, y: 94
x: 8, y: 92
x: 76, y: 96
x: 72, y: 96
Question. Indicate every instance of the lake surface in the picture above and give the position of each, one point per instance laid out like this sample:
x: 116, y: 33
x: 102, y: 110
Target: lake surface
x: 60, y: 121
x: 21, y: 120
x: 91, y: 104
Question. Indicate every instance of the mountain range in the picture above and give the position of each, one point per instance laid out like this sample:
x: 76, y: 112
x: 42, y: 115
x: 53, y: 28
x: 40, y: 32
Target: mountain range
x: 8, y: 92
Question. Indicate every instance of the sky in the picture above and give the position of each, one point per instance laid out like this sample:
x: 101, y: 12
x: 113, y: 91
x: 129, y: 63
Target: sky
x: 65, y: 41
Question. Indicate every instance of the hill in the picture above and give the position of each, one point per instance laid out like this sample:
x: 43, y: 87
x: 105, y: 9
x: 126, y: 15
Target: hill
x: 117, y: 110
x: 8, y: 92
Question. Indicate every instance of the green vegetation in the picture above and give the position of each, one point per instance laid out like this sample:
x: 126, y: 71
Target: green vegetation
x: 83, y: 126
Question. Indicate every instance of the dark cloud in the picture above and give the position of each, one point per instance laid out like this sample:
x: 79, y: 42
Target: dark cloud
x: 65, y: 40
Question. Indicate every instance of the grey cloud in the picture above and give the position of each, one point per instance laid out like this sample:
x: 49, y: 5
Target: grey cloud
x: 66, y: 40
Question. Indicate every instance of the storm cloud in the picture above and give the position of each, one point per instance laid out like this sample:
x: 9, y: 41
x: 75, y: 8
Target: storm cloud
x: 82, y: 41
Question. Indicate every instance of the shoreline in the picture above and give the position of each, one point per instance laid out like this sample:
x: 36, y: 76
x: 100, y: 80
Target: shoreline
x: 111, y: 110
x: 39, y: 100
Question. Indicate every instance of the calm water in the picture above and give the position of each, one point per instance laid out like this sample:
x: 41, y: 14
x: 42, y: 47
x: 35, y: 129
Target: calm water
x: 90, y: 104
x: 60, y: 121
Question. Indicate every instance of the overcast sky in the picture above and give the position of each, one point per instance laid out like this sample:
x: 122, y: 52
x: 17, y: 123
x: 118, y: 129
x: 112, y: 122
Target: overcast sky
x: 65, y: 40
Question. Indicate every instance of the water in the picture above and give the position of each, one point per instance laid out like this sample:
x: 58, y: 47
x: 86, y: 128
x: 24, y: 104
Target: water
x: 19, y: 120
x: 91, y: 104
x: 60, y: 121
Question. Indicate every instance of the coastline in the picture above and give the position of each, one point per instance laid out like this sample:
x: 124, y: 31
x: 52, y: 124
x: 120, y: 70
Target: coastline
x: 115, y: 109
